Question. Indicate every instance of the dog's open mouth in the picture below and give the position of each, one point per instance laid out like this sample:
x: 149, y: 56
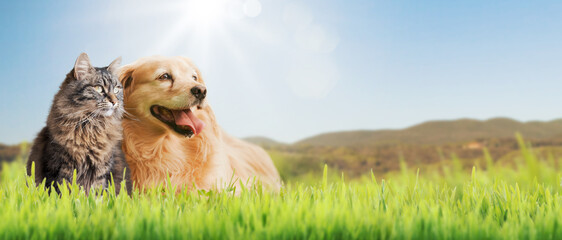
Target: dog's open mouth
x: 183, y: 121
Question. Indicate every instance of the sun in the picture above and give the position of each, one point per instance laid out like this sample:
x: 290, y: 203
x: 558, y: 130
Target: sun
x: 199, y: 26
x: 205, y: 12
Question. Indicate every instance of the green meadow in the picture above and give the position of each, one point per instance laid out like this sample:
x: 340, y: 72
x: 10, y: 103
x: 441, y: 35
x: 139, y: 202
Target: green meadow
x: 491, y: 201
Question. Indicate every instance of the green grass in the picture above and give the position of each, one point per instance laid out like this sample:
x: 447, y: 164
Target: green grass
x: 448, y: 203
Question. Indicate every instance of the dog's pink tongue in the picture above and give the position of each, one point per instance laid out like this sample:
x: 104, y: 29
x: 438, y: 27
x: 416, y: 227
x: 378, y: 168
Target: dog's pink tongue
x: 187, y: 118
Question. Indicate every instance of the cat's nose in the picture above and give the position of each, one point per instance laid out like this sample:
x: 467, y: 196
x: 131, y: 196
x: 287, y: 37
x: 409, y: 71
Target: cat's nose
x: 113, y: 99
x: 199, y: 92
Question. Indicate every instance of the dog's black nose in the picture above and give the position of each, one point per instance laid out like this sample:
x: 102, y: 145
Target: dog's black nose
x: 199, y: 92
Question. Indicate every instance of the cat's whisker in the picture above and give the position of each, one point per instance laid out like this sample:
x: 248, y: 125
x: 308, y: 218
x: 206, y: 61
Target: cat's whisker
x: 71, y: 121
x: 66, y: 116
x: 129, y: 115
x: 81, y: 122
x: 88, y: 117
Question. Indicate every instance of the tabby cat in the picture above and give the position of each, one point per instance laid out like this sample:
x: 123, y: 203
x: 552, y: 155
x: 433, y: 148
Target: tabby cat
x: 83, y: 131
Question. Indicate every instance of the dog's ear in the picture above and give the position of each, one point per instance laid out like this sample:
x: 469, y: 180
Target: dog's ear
x: 126, y: 75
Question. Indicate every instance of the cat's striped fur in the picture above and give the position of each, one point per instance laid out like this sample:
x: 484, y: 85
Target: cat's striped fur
x: 83, y: 131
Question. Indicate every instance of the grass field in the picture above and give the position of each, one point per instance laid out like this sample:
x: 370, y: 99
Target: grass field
x: 449, y: 203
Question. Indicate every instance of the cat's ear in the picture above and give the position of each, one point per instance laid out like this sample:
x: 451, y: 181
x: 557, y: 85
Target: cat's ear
x: 82, y: 66
x: 114, y: 66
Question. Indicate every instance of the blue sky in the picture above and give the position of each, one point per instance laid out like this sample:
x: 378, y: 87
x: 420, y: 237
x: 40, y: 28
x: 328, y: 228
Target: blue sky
x: 291, y: 69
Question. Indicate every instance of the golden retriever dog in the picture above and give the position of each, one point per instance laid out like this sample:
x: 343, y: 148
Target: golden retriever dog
x: 171, y: 132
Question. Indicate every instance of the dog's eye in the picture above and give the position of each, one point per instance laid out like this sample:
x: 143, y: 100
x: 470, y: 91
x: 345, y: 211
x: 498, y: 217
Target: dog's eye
x: 165, y: 76
x: 194, y: 77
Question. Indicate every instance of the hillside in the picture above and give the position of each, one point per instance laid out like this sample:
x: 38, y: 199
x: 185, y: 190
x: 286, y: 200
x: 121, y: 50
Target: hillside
x: 263, y: 141
x: 441, y: 132
x: 427, y: 144
x: 8, y: 153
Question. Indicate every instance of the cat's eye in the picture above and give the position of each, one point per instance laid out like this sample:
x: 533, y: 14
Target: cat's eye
x: 195, y: 77
x: 165, y: 76
x: 116, y: 90
x: 98, y: 88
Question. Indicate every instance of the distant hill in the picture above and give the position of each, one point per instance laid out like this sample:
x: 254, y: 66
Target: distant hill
x: 263, y: 141
x: 9, y: 152
x: 441, y: 132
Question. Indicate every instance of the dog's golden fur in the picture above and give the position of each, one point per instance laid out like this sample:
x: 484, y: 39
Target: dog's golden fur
x: 155, y: 152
